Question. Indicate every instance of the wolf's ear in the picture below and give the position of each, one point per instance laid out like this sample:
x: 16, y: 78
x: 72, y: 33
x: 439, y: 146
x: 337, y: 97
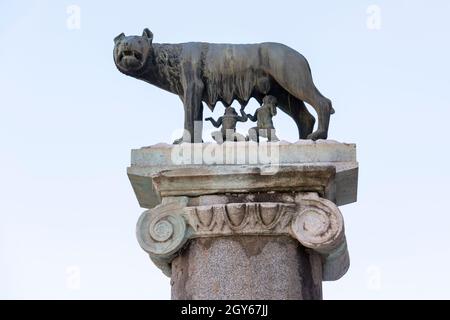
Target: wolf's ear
x: 119, y: 37
x: 147, y: 34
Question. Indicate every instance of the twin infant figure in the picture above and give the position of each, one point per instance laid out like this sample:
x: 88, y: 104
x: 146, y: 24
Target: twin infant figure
x: 263, y: 118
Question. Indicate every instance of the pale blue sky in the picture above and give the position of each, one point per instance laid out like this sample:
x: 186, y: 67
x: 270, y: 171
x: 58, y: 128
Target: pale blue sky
x: 69, y: 119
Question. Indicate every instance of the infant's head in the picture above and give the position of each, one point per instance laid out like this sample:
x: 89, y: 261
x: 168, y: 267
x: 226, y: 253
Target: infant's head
x: 229, y: 111
x: 269, y: 101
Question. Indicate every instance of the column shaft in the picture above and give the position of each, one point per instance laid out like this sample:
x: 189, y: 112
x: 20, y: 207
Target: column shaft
x: 246, y: 267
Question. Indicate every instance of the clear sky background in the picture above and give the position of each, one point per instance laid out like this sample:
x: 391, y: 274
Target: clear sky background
x: 69, y: 120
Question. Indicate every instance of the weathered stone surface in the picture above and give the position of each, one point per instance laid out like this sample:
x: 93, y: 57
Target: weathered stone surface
x: 233, y: 179
x: 246, y: 267
x: 302, y: 151
x: 251, y: 161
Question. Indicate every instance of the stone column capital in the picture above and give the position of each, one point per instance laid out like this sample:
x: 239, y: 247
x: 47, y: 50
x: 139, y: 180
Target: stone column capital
x: 314, y: 221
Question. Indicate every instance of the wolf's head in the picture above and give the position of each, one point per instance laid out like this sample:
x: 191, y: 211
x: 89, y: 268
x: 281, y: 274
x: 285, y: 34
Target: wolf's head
x: 132, y: 52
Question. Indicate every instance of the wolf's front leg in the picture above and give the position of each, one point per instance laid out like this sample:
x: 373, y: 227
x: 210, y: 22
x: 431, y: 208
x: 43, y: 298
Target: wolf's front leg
x: 193, y: 112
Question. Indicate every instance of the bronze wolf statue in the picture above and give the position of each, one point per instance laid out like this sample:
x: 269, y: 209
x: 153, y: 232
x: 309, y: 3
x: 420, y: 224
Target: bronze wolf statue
x: 204, y: 72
